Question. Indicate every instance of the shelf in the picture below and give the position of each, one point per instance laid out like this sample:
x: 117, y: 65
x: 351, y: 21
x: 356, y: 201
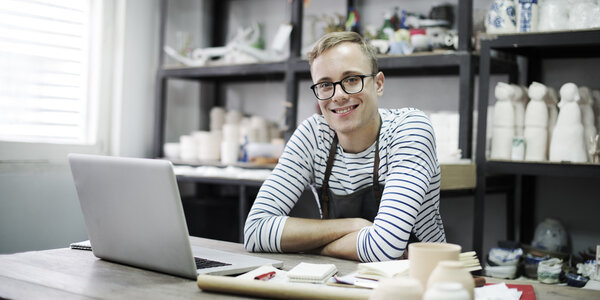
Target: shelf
x: 542, y: 168
x: 273, y: 70
x: 559, y: 44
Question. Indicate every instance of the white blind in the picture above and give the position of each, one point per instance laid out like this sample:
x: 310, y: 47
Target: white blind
x: 44, y: 71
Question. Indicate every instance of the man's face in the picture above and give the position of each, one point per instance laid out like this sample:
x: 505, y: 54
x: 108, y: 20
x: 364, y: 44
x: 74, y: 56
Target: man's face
x: 347, y: 114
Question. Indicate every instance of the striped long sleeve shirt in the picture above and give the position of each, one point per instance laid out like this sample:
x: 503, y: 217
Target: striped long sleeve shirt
x: 408, y: 168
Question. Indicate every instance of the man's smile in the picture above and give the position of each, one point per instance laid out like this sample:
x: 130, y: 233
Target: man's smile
x: 344, y: 110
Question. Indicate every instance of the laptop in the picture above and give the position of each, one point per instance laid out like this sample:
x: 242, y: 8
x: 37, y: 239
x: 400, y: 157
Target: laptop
x: 134, y: 216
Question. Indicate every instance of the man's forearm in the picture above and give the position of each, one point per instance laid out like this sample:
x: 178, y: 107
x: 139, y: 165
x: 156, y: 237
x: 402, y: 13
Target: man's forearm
x: 309, y: 234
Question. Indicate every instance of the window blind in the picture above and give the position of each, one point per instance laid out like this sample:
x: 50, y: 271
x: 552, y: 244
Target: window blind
x: 44, y: 71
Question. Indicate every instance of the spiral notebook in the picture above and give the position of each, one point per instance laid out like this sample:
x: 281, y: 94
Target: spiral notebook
x: 311, y: 273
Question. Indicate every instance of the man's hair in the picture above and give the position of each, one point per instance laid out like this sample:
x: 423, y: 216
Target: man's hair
x: 333, y: 39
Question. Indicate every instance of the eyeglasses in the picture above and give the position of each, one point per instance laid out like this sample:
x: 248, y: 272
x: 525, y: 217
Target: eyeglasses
x: 352, y: 84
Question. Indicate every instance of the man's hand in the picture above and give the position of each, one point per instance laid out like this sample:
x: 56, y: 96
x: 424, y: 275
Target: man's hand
x: 332, y: 237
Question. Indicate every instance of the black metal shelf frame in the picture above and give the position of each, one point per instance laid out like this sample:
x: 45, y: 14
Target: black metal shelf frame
x: 533, y: 47
x: 463, y: 62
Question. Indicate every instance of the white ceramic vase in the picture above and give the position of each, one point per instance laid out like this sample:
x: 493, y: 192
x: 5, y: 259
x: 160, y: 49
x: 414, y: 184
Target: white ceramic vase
x: 452, y: 271
x: 446, y: 291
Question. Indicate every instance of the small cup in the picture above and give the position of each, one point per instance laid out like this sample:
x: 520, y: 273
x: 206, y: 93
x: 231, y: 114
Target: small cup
x: 424, y: 257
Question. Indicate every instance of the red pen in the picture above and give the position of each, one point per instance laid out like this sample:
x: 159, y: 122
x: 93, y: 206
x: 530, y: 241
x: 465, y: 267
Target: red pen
x: 265, y: 276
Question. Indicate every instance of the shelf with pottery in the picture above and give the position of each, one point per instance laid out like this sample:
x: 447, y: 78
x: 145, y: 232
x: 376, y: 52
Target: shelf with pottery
x: 420, y: 63
x: 533, y: 47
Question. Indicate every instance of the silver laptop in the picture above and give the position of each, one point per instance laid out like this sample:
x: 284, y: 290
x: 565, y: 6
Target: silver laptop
x: 133, y: 214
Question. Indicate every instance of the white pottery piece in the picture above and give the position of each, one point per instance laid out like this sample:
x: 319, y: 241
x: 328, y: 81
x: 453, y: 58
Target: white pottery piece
x: 567, y: 142
x: 536, y: 124
x: 503, y: 130
x: 501, y: 17
x: 587, y: 118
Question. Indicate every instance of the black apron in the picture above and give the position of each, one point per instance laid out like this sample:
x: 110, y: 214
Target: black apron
x: 363, y: 203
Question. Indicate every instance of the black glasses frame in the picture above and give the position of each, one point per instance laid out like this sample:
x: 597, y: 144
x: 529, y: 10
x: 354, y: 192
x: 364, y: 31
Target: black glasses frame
x: 362, y: 81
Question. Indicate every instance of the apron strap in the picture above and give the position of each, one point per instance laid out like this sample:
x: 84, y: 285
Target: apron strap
x: 325, y: 188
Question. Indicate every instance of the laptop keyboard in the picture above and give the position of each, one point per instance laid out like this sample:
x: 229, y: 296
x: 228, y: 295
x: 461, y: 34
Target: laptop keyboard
x: 202, y: 263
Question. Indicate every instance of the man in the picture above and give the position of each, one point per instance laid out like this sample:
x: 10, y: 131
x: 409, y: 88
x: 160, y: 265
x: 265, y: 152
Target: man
x: 349, y: 151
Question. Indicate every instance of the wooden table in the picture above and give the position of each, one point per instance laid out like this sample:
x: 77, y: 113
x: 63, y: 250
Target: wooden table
x: 77, y: 274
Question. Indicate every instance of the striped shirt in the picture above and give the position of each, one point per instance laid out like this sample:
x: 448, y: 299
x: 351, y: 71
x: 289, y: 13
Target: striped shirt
x: 408, y: 168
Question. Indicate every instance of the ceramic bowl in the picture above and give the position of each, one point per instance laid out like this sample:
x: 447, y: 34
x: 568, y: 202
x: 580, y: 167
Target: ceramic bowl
x: 576, y: 280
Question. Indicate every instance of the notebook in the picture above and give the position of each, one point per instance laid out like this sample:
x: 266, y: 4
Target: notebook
x: 383, y: 269
x: 134, y: 216
x: 311, y: 273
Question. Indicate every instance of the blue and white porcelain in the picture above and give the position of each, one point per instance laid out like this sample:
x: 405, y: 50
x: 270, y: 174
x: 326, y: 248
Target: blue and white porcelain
x: 501, y: 18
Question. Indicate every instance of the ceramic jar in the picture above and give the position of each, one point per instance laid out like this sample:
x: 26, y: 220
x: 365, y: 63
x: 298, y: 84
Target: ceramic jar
x: 400, y: 288
x: 501, y: 18
x: 446, y: 291
x: 550, y: 235
x: 424, y: 257
x: 452, y: 271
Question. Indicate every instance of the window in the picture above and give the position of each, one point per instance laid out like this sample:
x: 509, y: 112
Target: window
x: 45, y: 48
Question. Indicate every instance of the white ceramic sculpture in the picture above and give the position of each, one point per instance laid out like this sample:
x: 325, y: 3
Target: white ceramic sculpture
x: 519, y: 100
x: 536, y: 124
x: 596, y: 106
x: 552, y: 103
x: 554, y: 15
x: 567, y: 142
x: 503, y: 122
x: 587, y: 118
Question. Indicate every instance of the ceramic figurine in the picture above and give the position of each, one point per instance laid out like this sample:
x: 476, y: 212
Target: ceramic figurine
x: 596, y: 106
x: 536, y: 124
x: 519, y: 100
x: 587, y: 118
x: 552, y: 103
x: 501, y: 18
x: 568, y: 142
x: 503, y: 130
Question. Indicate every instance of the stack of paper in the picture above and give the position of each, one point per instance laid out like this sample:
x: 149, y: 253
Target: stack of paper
x: 311, y: 273
x: 383, y: 269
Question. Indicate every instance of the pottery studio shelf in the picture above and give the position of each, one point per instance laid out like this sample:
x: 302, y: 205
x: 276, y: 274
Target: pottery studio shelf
x: 534, y: 48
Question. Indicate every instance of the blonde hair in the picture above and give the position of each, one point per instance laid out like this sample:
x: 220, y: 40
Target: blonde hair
x: 333, y: 39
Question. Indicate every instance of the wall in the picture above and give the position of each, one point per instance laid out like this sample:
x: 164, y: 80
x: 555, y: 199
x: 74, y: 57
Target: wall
x: 38, y: 203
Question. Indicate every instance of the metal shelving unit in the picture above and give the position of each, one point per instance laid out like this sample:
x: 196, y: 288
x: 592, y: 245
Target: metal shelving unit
x: 534, y: 47
x: 462, y: 63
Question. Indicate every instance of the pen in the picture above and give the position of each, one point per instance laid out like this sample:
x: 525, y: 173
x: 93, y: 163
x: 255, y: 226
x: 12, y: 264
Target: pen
x: 265, y: 276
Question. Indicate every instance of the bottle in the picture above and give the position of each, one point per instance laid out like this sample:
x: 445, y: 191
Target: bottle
x: 387, y: 30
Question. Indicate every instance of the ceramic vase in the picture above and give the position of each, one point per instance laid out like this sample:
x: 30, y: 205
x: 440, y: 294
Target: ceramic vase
x: 397, y: 288
x: 554, y: 15
x: 527, y: 15
x: 452, y: 271
x: 536, y: 124
x: 446, y: 291
x: 501, y: 17
x: 424, y: 257
x: 568, y: 142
